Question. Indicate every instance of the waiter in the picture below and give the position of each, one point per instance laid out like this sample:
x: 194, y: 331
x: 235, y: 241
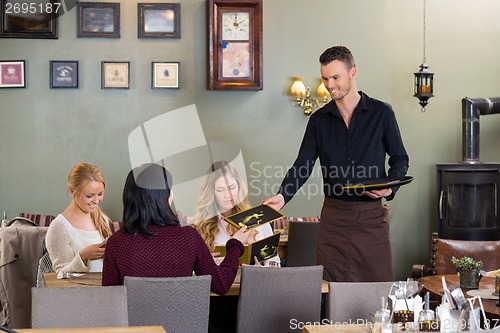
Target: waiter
x: 351, y: 135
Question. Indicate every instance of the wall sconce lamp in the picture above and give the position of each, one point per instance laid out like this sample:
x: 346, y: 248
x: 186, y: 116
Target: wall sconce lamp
x: 303, y: 95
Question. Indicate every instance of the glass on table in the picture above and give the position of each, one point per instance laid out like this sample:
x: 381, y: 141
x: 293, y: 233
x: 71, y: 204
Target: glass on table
x: 497, y: 286
x: 402, y: 317
x: 412, y: 326
x: 427, y: 321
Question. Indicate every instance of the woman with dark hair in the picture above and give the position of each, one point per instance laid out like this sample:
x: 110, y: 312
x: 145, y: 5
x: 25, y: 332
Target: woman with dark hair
x: 153, y: 244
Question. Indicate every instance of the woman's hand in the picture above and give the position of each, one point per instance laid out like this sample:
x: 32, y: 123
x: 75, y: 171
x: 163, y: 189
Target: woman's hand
x: 217, y: 258
x: 242, y: 235
x: 92, y: 252
x: 256, y: 261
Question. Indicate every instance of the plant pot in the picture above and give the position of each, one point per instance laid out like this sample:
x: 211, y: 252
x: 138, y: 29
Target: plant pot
x: 469, y: 278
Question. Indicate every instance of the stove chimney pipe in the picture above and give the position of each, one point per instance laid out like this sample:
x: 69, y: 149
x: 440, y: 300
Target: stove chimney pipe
x: 472, y: 108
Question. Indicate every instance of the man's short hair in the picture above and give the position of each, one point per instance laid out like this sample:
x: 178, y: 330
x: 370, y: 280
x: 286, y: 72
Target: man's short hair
x: 340, y: 53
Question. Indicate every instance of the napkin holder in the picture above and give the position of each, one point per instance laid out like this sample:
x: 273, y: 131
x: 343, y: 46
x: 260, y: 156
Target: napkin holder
x: 455, y: 320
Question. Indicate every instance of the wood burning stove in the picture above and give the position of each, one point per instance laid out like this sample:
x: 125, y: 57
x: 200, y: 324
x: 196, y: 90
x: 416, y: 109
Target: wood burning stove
x: 469, y: 192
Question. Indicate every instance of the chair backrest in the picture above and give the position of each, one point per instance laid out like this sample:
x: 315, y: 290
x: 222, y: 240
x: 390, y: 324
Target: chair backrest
x: 115, y: 226
x: 442, y: 250
x: 44, y: 266
x: 42, y: 220
x: 349, y: 302
x: 20, y: 247
x: 179, y: 304
x: 79, y: 307
x: 301, y: 246
x: 279, y: 299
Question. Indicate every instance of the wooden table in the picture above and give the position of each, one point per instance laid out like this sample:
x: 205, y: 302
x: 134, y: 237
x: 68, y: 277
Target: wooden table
x: 94, y: 279
x: 130, y: 329
x: 434, y: 285
x: 338, y: 328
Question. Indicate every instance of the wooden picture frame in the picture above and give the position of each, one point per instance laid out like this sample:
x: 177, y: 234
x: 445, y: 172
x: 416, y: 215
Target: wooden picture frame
x: 35, y: 20
x: 115, y: 75
x: 64, y: 74
x: 159, y: 20
x: 98, y: 19
x: 12, y: 74
x: 165, y: 75
x: 235, y: 45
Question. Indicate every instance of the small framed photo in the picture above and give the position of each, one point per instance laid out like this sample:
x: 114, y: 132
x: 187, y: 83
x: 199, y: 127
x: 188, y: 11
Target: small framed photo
x: 159, y: 20
x: 30, y: 19
x: 98, y: 19
x: 13, y: 74
x: 63, y: 74
x: 165, y: 75
x: 115, y: 75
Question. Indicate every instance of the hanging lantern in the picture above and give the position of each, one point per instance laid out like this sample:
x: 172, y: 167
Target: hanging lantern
x: 424, y: 85
x: 424, y: 80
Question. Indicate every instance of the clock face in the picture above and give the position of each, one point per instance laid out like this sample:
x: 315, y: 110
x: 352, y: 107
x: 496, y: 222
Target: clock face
x: 235, y: 26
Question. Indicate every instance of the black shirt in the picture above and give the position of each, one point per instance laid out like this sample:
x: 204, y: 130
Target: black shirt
x: 349, y: 155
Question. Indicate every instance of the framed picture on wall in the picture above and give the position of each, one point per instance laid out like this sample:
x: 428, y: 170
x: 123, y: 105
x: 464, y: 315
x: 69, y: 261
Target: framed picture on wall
x: 29, y: 19
x: 165, y: 75
x: 115, y: 75
x: 13, y: 74
x: 63, y: 74
x: 98, y: 19
x: 159, y: 20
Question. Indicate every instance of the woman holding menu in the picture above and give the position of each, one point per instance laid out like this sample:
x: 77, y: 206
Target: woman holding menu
x: 222, y: 194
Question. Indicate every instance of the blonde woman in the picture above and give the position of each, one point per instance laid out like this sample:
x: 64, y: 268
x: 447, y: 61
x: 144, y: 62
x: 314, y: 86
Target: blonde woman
x: 224, y: 193
x: 75, y: 239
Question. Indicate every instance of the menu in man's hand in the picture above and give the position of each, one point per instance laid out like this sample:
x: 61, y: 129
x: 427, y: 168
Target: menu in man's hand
x: 254, y: 217
x: 263, y: 249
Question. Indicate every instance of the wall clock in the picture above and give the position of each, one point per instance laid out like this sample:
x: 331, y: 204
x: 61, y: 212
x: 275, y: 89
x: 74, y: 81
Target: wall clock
x: 235, y: 45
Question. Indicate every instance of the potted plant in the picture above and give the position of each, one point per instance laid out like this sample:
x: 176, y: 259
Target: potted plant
x: 469, y: 271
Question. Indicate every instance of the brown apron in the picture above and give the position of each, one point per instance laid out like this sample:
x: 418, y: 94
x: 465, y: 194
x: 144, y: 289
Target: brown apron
x: 354, y: 242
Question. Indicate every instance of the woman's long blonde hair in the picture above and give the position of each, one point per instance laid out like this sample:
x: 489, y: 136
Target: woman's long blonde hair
x: 78, y: 179
x: 207, y: 212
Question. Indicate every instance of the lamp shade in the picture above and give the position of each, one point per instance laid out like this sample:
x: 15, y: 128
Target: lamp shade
x: 298, y: 88
x: 322, y: 92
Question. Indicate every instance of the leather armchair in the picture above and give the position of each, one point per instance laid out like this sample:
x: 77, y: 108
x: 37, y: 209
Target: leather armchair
x: 442, y: 250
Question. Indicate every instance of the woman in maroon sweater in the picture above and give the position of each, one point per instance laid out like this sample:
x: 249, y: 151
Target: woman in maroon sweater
x: 153, y: 244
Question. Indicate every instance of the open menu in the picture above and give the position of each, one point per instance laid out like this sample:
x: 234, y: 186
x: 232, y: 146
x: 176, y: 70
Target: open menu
x: 254, y: 217
x: 263, y: 249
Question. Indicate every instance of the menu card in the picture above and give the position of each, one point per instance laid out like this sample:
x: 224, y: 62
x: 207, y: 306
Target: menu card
x: 263, y: 249
x: 254, y: 217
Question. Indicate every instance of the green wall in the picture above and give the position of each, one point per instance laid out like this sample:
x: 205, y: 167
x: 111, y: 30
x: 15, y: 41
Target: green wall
x: 44, y: 132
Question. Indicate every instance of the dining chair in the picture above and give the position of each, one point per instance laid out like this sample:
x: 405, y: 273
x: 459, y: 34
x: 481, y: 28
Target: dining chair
x: 44, y: 266
x: 79, y: 307
x: 442, y: 250
x: 349, y: 302
x: 278, y: 299
x: 301, y: 246
x: 41, y: 220
x: 179, y: 304
x: 20, y: 247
